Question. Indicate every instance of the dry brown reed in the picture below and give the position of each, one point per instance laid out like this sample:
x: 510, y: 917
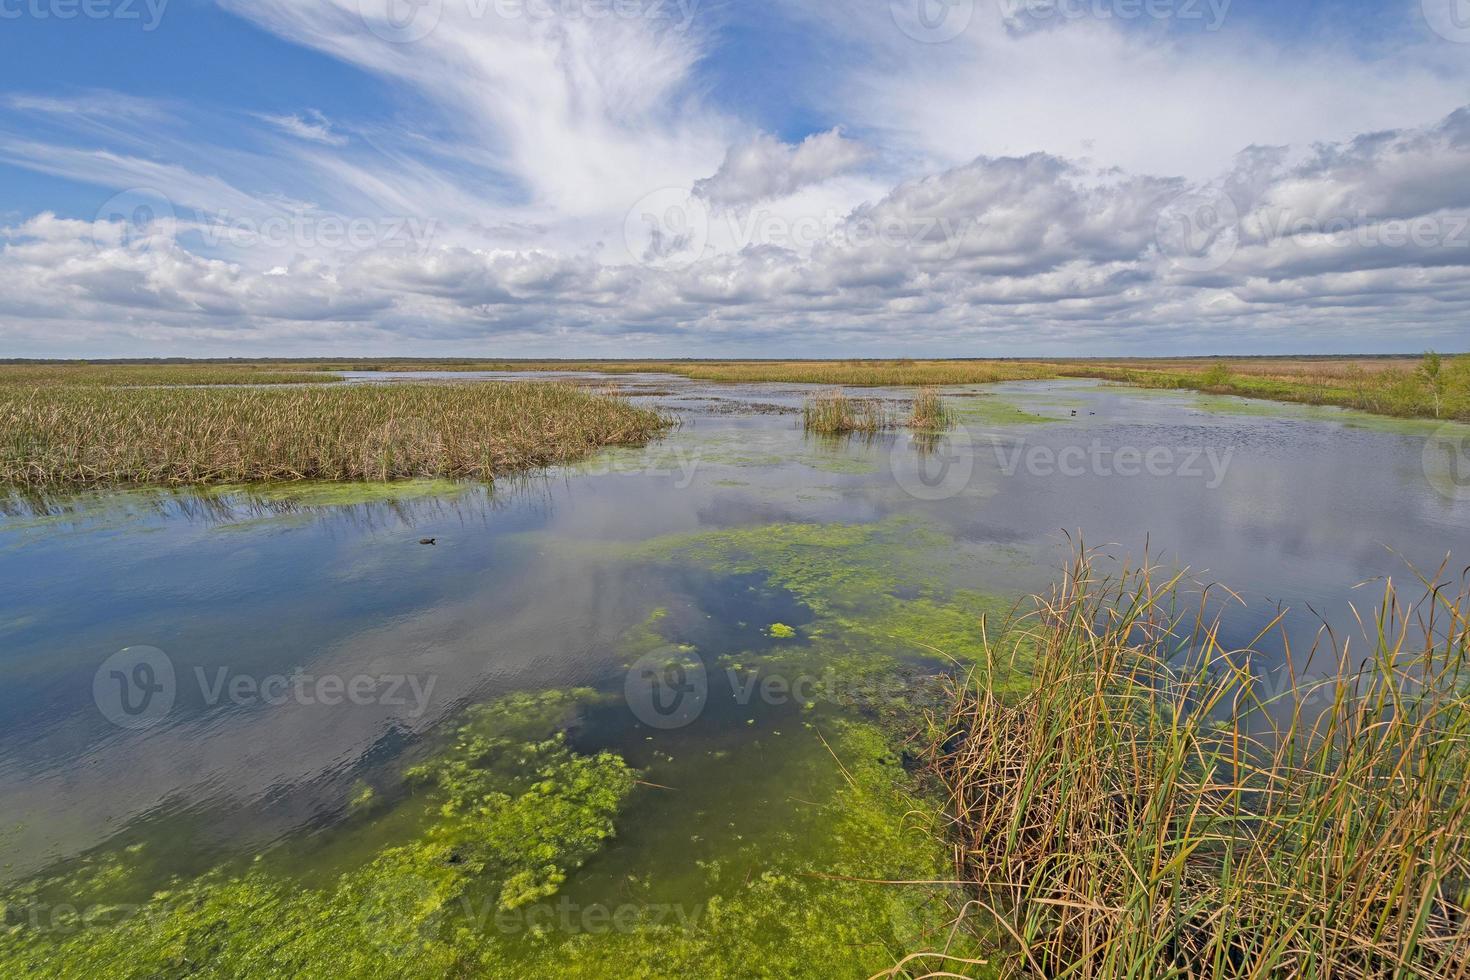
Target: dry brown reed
x: 1153, y: 807
x: 836, y: 412
x: 57, y: 436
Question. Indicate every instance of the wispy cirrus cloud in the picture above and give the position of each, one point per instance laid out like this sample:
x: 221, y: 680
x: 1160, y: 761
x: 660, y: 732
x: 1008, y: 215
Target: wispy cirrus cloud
x: 307, y: 125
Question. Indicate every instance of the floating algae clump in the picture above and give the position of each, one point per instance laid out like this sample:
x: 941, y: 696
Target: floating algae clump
x: 781, y: 631
x: 513, y: 816
x: 515, y: 821
x: 881, y: 586
x: 806, y: 901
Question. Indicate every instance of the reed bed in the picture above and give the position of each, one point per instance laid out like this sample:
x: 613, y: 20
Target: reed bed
x: 837, y: 413
x: 150, y: 375
x: 929, y: 413
x: 1387, y: 386
x: 1410, y: 387
x: 78, y: 436
x: 1153, y: 809
x: 856, y: 373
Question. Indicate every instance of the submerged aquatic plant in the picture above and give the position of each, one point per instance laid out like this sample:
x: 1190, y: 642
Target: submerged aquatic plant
x: 516, y: 814
x: 1154, y: 808
x: 493, y: 883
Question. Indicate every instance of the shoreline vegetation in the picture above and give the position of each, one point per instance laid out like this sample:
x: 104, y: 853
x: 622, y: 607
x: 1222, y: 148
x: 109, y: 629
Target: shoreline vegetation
x: 159, y: 375
x: 175, y: 423
x: 55, y: 436
x: 1431, y: 386
x: 1428, y: 386
x: 1152, y: 806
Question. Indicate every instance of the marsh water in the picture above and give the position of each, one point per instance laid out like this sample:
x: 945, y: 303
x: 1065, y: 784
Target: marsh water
x: 241, y: 678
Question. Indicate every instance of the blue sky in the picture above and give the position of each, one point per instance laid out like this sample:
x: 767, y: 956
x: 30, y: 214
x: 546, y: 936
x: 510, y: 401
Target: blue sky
x: 690, y: 177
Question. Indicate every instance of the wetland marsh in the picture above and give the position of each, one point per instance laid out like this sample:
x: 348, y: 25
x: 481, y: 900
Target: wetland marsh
x: 658, y: 711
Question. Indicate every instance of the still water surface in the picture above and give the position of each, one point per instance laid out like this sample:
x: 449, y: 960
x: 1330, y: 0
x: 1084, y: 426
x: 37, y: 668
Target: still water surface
x: 254, y: 598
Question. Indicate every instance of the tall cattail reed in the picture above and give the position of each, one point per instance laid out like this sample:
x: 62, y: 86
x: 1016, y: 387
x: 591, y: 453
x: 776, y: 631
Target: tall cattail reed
x: 59, y: 436
x: 1153, y: 808
x: 835, y: 413
x: 929, y: 413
